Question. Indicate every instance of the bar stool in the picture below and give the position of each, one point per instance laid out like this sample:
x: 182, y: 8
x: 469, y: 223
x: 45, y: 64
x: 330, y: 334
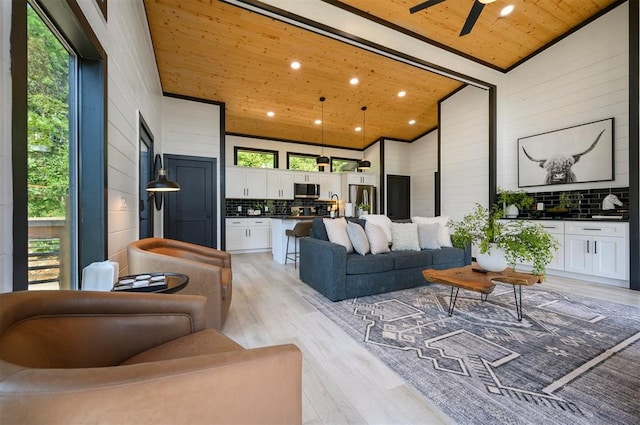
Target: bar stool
x: 302, y: 229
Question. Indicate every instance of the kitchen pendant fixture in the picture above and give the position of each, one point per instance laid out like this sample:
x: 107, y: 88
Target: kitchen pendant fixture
x: 363, y: 164
x: 322, y: 161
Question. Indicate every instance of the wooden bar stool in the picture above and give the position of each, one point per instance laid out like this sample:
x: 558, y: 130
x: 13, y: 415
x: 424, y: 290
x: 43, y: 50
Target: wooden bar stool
x: 302, y: 229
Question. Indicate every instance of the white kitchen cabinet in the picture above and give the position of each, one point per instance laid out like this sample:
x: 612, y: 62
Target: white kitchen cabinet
x: 598, y: 249
x: 246, y: 183
x: 361, y: 178
x: 279, y: 184
x: 330, y: 184
x: 248, y: 234
x: 556, y: 229
x: 305, y: 177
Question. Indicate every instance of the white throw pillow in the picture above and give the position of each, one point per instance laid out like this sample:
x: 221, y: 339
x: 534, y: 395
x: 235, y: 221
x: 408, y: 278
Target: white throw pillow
x: 444, y: 236
x: 380, y: 220
x: 377, y: 239
x: 358, y: 238
x: 405, y: 237
x: 337, y: 232
x: 428, y: 235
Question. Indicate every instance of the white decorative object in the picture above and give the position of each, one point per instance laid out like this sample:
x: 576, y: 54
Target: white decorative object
x: 610, y: 201
x: 493, y: 260
x: 511, y: 211
x: 100, y: 276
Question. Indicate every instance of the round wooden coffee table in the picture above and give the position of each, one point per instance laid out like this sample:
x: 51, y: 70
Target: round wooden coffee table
x: 158, y: 282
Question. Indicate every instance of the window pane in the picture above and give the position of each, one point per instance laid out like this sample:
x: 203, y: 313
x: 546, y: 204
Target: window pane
x: 254, y: 158
x: 302, y: 162
x: 51, y: 203
x: 339, y: 165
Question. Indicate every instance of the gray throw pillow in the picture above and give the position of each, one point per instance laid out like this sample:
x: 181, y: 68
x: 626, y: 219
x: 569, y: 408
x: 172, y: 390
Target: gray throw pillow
x: 358, y: 238
x: 428, y: 235
x: 377, y: 238
x: 405, y: 237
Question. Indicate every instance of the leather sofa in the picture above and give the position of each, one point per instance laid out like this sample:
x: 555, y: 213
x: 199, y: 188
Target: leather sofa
x: 209, y: 270
x: 327, y: 268
x: 75, y: 357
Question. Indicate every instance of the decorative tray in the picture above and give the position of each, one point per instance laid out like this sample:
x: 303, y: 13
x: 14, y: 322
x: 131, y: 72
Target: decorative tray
x: 150, y: 282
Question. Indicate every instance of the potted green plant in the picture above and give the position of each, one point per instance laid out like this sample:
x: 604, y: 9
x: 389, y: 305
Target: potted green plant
x: 364, y: 208
x: 520, y: 241
x: 513, y: 200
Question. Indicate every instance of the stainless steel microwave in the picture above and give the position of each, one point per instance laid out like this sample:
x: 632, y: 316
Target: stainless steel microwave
x: 306, y: 190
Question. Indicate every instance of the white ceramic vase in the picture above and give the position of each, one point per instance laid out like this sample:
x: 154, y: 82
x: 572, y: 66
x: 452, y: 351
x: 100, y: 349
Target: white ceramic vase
x: 511, y: 211
x: 493, y: 260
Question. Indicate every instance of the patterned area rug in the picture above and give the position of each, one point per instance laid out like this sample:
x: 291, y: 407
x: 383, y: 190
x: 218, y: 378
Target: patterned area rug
x: 571, y: 360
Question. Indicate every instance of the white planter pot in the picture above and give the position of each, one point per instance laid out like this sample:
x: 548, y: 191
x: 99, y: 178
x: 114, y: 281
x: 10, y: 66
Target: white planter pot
x: 493, y: 260
x: 511, y: 211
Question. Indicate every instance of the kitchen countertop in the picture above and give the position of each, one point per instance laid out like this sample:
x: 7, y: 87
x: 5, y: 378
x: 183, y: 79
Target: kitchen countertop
x: 277, y: 217
x: 624, y: 219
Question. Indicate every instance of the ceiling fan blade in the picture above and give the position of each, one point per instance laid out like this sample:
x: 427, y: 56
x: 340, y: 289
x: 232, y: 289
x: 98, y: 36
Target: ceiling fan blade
x: 424, y: 5
x: 472, y: 18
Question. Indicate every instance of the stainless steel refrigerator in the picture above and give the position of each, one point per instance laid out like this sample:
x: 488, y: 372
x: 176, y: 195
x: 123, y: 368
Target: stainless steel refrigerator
x: 363, y: 194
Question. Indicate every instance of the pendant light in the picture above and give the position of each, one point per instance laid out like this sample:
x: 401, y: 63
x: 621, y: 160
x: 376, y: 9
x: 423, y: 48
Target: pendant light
x: 322, y: 161
x: 363, y: 164
x: 161, y: 184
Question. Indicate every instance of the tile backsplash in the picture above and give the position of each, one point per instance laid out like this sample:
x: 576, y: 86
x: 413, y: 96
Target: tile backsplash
x: 589, y: 200
x: 277, y: 207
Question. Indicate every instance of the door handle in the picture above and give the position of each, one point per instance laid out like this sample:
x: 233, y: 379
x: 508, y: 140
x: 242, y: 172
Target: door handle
x: 588, y: 247
x: 595, y: 247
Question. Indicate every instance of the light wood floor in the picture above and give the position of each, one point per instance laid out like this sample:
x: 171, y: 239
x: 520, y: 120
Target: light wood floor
x: 342, y: 382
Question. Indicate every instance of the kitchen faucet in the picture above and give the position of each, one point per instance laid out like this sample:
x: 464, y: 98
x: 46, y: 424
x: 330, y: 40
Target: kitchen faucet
x: 337, y: 204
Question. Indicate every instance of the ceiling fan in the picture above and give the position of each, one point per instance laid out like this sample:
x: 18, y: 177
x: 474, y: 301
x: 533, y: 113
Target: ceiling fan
x: 477, y: 7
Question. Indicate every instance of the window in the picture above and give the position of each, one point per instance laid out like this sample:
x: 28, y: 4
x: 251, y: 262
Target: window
x: 257, y: 158
x: 301, y: 162
x: 341, y: 165
x: 58, y: 146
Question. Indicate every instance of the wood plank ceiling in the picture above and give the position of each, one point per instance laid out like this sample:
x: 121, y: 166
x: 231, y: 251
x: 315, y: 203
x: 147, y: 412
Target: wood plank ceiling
x: 219, y: 52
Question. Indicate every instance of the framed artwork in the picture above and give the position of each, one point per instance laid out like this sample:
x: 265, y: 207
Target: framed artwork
x: 578, y: 154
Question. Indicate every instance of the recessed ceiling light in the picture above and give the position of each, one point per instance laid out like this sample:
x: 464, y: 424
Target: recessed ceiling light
x: 354, y: 81
x: 358, y: 128
x: 507, y: 10
x: 402, y: 93
x: 412, y: 122
x: 317, y: 122
x: 270, y: 113
x: 295, y: 65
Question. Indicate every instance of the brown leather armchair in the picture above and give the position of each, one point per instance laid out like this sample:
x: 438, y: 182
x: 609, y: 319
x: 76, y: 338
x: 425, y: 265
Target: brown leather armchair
x: 73, y: 357
x: 209, y: 270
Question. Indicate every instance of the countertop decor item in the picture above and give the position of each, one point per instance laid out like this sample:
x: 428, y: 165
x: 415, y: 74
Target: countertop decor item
x: 512, y: 201
x: 522, y: 241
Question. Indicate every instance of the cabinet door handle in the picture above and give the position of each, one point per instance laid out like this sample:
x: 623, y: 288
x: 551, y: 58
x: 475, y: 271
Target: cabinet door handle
x: 588, y: 247
x: 589, y: 228
x: 595, y: 247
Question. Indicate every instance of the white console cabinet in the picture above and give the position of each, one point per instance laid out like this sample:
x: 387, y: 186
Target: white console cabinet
x: 598, y: 249
x: 246, y: 183
x: 248, y: 234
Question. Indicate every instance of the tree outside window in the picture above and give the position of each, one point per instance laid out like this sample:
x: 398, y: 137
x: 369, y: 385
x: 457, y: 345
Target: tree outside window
x: 245, y: 157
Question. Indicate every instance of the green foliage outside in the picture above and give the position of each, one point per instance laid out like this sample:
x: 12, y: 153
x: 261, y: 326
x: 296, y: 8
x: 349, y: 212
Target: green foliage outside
x: 302, y: 163
x: 256, y: 159
x: 342, y: 165
x: 48, y: 121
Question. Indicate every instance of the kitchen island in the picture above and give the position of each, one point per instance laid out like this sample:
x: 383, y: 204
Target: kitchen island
x: 279, y: 225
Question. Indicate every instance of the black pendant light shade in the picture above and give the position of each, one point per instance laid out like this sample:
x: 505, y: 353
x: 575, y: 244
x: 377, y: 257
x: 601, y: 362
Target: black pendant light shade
x: 322, y: 161
x: 363, y: 164
x: 162, y: 183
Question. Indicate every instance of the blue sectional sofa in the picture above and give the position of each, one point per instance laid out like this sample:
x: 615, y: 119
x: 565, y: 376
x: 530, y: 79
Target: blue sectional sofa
x: 328, y: 269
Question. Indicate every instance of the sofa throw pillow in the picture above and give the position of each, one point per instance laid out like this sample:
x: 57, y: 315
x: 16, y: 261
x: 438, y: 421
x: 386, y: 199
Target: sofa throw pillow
x: 405, y: 237
x: 377, y: 239
x: 382, y: 221
x: 444, y: 236
x: 358, y: 238
x: 428, y: 235
x: 337, y: 232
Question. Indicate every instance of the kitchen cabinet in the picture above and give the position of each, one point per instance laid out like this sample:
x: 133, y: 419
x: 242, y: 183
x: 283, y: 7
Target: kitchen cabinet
x: 279, y: 184
x: 555, y: 229
x: 248, y: 234
x: 330, y: 184
x: 598, y: 249
x: 361, y: 178
x: 246, y: 183
x: 305, y: 177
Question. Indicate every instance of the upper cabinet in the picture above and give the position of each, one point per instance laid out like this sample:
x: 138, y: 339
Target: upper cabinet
x: 246, y: 183
x: 305, y: 177
x: 279, y: 184
x: 330, y: 184
x: 361, y: 178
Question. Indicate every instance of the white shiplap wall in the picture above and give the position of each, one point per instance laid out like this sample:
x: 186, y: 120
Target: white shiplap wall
x: 464, y: 133
x: 133, y: 87
x: 6, y: 192
x: 422, y: 166
x: 193, y: 129
x: 581, y: 79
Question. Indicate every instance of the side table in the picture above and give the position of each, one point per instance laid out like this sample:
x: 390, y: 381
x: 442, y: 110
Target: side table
x: 160, y: 282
